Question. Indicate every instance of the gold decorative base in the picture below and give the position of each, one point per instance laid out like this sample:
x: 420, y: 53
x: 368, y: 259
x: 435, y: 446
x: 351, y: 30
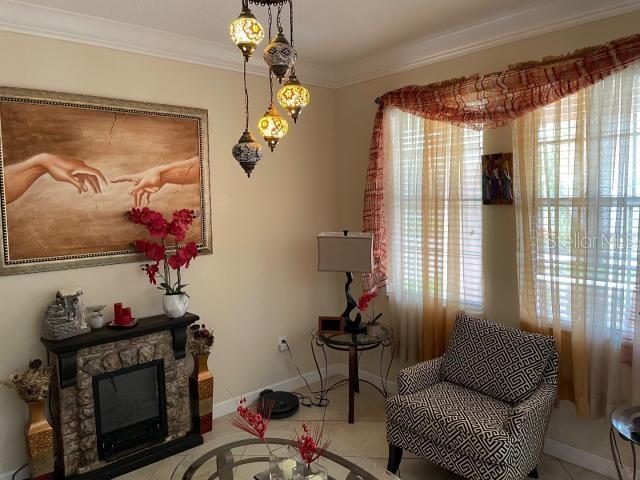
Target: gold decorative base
x: 201, y: 383
x: 39, y: 436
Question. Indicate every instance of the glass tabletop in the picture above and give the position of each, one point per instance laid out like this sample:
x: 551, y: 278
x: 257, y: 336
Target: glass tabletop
x: 353, y: 340
x: 239, y: 457
x: 626, y: 420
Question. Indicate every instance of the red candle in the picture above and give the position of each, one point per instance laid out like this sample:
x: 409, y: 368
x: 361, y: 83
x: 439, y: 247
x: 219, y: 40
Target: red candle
x: 117, y: 310
x: 126, y: 314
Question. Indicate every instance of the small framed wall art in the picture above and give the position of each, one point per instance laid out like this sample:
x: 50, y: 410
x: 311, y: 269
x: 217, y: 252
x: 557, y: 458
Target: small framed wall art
x: 497, y: 185
x: 72, y: 165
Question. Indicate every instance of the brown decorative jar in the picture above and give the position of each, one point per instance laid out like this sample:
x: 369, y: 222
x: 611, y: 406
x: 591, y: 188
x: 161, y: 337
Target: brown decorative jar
x: 201, y: 383
x: 39, y: 435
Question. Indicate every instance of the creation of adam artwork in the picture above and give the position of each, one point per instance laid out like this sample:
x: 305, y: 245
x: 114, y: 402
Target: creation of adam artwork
x: 72, y: 165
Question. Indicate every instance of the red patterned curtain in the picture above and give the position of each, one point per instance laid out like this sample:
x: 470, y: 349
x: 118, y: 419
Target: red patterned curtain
x: 484, y: 101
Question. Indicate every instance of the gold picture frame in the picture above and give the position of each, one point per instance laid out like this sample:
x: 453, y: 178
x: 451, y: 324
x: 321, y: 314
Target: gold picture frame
x: 72, y: 165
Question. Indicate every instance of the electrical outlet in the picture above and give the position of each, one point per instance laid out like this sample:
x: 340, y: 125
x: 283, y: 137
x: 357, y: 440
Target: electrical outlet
x: 282, y: 343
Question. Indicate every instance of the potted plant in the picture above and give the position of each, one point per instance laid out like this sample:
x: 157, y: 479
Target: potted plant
x: 169, y: 251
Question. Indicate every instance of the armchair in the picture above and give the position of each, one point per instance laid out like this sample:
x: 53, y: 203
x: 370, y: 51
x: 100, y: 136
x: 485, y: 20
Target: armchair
x: 482, y: 409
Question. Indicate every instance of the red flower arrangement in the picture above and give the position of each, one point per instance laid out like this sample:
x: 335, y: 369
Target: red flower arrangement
x: 365, y: 298
x: 254, y: 423
x: 159, y: 227
x: 310, y: 443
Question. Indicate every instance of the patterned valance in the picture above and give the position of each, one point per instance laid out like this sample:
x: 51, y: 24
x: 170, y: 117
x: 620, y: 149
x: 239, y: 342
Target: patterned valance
x: 484, y: 101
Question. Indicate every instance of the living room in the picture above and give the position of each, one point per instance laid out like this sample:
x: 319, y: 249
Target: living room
x: 108, y: 108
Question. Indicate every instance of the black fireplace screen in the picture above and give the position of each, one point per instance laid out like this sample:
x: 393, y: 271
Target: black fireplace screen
x: 130, y: 407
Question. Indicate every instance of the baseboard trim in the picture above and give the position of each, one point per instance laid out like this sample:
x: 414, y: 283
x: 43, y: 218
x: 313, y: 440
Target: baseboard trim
x: 582, y: 458
x: 226, y: 407
x: 554, y: 448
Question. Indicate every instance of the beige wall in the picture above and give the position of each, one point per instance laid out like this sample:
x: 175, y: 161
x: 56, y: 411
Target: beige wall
x: 260, y: 283
x: 356, y: 111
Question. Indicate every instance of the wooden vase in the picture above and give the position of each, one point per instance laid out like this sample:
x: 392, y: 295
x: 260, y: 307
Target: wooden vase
x: 201, y: 383
x: 39, y: 436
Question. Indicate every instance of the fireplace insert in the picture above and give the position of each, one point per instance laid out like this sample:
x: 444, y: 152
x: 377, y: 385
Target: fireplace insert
x: 130, y: 408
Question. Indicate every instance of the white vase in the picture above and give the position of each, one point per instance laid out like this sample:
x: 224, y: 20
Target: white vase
x: 175, y: 306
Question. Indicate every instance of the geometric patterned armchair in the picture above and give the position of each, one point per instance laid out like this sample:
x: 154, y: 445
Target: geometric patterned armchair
x: 482, y: 409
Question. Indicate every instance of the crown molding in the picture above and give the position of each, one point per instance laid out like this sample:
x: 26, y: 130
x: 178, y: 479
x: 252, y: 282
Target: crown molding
x: 547, y: 16
x: 544, y: 17
x: 48, y: 22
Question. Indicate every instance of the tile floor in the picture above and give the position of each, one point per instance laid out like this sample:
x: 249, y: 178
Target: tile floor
x: 362, y: 442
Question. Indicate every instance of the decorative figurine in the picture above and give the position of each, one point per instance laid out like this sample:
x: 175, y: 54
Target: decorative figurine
x: 96, y: 316
x: 32, y: 386
x: 64, y: 318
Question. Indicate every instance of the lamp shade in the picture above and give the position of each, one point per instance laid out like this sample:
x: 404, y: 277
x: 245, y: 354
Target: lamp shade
x: 350, y: 253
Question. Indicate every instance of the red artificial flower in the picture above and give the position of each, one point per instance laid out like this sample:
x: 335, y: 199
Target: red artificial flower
x: 151, y: 271
x: 184, y: 217
x: 310, y: 444
x: 176, y: 261
x: 141, y: 245
x: 153, y: 221
x: 188, y: 253
x: 192, y: 249
x: 177, y: 230
x: 254, y: 423
x: 155, y: 251
x: 365, y: 298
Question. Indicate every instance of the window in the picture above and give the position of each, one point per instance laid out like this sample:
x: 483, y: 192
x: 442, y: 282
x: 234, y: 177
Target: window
x: 587, y: 205
x: 435, y: 220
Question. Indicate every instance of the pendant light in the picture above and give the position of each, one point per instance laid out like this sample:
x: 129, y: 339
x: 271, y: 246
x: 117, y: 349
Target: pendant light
x: 272, y: 127
x: 245, y: 31
x: 293, y: 97
x: 247, y: 151
x: 280, y: 57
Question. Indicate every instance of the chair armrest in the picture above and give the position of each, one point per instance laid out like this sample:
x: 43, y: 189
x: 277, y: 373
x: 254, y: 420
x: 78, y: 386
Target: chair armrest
x: 533, y: 414
x: 418, y: 377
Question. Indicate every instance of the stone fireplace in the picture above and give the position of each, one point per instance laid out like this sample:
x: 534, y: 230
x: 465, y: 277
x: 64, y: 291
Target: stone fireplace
x: 120, y: 393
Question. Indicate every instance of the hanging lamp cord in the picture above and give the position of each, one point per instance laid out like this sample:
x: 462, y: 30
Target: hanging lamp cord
x: 246, y: 95
x: 291, y: 21
x: 271, y: 71
x: 278, y: 23
x: 293, y: 67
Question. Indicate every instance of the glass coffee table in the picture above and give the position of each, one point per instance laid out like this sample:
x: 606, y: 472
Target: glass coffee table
x: 238, y: 457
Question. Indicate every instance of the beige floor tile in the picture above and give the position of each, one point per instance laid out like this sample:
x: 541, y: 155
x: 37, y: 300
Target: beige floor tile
x: 551, y: 469
x: 167, y: 466
x: 363, y: 443
x: 577, y: 473
x: 144, y: 473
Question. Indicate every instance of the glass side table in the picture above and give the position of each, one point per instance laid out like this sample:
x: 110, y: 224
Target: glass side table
x: 354, y: 344
x: 625, y: 424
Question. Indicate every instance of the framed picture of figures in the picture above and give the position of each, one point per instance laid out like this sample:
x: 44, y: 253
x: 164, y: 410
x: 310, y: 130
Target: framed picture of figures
x: 497, y: 184
x: 72, y: 165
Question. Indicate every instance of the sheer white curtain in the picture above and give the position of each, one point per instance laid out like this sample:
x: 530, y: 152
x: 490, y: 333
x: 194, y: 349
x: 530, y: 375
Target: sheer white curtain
x: 434, y: 208
x: 577, y: 195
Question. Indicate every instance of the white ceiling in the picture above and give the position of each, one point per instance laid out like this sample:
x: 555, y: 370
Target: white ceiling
x: 327, y: 32
x: 340, y: 41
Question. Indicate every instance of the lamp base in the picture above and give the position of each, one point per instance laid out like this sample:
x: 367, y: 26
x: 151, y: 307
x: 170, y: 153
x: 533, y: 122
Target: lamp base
x: 354, y: 327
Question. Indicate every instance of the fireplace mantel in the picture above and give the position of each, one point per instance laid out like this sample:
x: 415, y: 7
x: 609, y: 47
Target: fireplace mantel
x: 67, y: 349
x: 79, y: 362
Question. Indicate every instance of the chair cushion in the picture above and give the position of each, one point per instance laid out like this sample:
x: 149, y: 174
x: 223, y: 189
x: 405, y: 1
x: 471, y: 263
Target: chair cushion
x: 501, y: 362
x: 458, y: 418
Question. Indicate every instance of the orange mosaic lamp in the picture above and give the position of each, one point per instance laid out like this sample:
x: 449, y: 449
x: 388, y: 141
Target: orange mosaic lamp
x: 272, y: 127
x: 293, y: 97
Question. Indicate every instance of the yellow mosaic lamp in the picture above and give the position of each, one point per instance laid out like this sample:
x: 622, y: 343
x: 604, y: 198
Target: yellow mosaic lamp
x: 246, y: 32
x: 272, y: 127
x: 293, y: 97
